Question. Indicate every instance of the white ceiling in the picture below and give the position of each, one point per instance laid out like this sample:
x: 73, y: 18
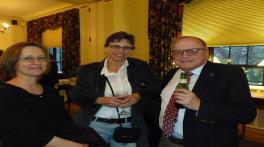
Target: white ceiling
x: 24, y: 9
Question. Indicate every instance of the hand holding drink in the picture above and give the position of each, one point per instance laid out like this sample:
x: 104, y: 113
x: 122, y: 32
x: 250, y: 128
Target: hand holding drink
x: 122, y: 95
x: 126, y: 99
x: 183, y: 84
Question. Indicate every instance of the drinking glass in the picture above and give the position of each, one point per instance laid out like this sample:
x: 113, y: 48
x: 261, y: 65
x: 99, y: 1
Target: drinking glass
x: 122, y: 95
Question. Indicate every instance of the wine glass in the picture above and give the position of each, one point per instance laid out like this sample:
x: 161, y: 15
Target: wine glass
x: 122, y: 95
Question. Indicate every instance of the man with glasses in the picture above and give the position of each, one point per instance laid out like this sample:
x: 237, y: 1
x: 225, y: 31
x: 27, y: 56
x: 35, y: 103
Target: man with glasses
x: 217, y: 100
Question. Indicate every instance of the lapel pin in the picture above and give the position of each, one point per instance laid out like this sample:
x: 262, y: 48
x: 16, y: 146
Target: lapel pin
x: 211, y: 74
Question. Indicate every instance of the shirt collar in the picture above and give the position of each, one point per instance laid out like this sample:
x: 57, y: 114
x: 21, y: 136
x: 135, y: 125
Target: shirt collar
x: 196, y: 71
x: 105, y: 72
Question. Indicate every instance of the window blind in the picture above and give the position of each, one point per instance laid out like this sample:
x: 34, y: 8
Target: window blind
x: 225, y: 22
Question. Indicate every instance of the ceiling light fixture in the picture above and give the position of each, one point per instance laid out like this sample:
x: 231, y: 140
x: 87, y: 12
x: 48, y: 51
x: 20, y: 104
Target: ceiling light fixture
x: 4, y: 26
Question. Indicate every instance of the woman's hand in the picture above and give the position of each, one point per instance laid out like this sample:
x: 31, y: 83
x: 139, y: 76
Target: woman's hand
x: 110, y: 101
x: 118, y: 101
x: 130, y: 100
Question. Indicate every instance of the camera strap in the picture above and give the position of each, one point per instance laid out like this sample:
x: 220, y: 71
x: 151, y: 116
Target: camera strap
x: 108, y: 82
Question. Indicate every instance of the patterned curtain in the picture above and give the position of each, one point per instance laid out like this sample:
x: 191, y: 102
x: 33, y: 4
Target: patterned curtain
x: 165, y: 24
x: 69, y: 21
x: 71, y: 42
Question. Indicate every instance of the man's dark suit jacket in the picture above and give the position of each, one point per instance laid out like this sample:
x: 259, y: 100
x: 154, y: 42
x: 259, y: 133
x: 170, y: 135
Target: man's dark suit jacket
x: 91, y: 85
x: 225, y: 102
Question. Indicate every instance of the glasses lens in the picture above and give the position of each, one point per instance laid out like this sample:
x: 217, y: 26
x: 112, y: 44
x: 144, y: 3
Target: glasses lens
x: 192, y: 51
x: 177, y: 52
x: 28, y: 59
x: 127, y: 48
x: 41, y: 59
x: 115, y: 46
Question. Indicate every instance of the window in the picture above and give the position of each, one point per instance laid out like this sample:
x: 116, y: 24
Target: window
x: 248, y: 57
x: 56, y: 53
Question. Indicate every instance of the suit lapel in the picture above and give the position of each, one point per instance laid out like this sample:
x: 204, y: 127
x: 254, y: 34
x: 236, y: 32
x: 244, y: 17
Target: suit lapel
x: 206, y: 76
x: 131, y: 74
x: 100, y: 80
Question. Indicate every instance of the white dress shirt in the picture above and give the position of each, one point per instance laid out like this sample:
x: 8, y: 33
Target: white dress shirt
x: 119, y: 82
x: 166, y: 94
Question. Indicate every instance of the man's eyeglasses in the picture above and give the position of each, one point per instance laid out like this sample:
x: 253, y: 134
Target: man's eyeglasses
x: 31, y: 59
x: 118, y: 47
x: 189, y: 52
